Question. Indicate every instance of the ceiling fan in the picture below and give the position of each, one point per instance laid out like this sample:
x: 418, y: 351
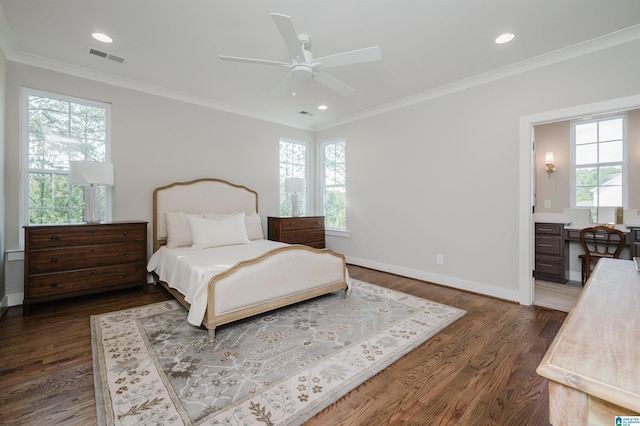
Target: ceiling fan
x: 303, y: 66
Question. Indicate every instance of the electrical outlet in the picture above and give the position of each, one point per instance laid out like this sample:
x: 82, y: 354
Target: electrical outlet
x: 440, y: 259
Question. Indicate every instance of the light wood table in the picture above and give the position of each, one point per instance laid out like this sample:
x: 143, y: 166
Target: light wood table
x: 593, y: 365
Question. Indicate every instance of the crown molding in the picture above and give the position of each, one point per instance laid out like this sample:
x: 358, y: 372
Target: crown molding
x: 8, y: 47
x: 609, y: 40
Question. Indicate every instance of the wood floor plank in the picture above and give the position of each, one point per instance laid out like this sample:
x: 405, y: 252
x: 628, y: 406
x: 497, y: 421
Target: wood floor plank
x: 479, y: 370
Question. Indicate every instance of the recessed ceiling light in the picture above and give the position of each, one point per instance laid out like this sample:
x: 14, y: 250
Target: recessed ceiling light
x: 504, y: 38
x: 322, y: 107
x: 102, y: 37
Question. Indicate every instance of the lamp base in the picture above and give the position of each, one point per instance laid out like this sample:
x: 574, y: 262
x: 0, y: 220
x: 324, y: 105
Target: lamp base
x: 91, y: 204
x: 294, y: 205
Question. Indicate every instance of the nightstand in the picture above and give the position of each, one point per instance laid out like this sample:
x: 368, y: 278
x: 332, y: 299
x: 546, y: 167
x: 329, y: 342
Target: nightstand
x: 307, y: 230
x: 62, y: 261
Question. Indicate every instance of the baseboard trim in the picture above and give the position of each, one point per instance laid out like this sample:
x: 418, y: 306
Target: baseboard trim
x: 445, y: 280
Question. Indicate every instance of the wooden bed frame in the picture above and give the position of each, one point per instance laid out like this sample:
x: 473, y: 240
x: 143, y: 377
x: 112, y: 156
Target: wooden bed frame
x: 219, y: 196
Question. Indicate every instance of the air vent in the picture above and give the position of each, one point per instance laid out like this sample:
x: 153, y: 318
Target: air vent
x: 105, y: 55
x: 306, y: 113
x: 98, y: 53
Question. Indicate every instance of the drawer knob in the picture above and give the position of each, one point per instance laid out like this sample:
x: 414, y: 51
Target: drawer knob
x: 125, y: 253
x: 125, y: 233
x: 53, y: 285
x: 125, y: 275
x: 54, y: 238
x: 54, y: 260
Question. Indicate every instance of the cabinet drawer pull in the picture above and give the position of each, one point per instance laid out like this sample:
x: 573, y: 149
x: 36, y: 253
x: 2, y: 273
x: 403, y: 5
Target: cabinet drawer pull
x: 125, y: 253
x: 545, y: 245
x: 125, y: 275
x: 53, y: 285
x: 54, y: 260
x: 125, y: 233
x: 545, y: 264
x: 545, y: 229
x: 54, y: 238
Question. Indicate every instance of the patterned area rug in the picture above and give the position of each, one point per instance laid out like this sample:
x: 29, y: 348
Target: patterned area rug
x: 282, y: 367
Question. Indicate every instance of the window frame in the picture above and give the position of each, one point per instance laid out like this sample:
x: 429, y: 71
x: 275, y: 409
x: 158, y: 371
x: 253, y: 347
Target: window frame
x: 26, y: 93
x: 322, y: 187
x: 622, y: 164
x: 305, y: 207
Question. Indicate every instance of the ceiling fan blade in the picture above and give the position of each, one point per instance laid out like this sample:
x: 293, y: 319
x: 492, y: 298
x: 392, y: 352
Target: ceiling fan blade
x: 285, y: 85
x: 252, y: 61
x: 367, y: 54
x: 333, y: 83
x: 290, y: 36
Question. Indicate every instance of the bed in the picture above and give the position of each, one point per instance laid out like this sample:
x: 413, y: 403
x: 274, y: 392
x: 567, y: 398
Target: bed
x: 211, y: 255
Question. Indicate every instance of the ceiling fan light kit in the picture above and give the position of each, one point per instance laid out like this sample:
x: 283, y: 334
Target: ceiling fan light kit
x: 302, y: 65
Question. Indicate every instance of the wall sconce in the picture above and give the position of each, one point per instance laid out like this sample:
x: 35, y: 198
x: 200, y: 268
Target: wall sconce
x: 89, y: 174
x: 548, y: 163
x: 294, y: 186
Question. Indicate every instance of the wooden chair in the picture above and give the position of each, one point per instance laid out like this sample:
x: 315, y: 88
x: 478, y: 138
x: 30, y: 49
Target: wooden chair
x: 598, y: 242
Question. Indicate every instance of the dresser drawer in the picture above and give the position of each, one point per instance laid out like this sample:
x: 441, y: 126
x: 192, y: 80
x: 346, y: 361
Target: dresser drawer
x: 302, y: 236
x: 548, y: 245
x: 63, y: 283
x: 548, y: 229
x: 549, y: 265
x: 88, y: 256
x: 301, y: 223
x: 574, y: 234
x: 64, y: 236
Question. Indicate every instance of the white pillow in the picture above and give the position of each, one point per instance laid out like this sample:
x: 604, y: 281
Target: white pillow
x: 252, y: 222
x: 225, y: 231
x: 217, y: 215
x: 178, y: 229
x: 254, y: 227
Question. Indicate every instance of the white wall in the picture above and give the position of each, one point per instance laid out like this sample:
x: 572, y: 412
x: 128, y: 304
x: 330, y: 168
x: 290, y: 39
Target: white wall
x: 155, y: 141
x: 444, y: 176
x: 3, y: 74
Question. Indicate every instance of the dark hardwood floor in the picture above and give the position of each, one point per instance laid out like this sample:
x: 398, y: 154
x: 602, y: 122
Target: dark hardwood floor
x: 478, y: 371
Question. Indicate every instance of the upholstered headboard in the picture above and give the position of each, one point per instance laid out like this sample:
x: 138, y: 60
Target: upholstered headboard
x: 198, y: 196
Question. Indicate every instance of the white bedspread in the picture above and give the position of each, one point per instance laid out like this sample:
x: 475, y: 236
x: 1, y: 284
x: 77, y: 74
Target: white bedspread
x: 189, y: 270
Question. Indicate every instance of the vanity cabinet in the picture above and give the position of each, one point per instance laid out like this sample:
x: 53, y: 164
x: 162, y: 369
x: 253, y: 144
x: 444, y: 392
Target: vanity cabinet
x: 551, y: 254
x: 63, y: 261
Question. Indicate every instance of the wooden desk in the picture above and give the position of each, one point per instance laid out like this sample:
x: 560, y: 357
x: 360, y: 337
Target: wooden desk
x: 593, y: 365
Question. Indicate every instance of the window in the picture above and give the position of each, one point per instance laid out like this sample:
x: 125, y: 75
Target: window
x: 599, y: 152
x: 58, y: 129
x: 293, y: 164
x: 334, y: 183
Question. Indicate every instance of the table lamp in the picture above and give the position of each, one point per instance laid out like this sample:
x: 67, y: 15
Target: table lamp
x: 89, y: 174
x: 294, y: 186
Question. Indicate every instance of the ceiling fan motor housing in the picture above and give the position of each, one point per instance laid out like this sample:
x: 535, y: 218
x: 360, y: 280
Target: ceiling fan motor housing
x: 302, y: 72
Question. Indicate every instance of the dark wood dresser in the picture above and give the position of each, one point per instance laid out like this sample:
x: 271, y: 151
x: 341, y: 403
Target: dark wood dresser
x: 307, y: 230
x: 62, y: 261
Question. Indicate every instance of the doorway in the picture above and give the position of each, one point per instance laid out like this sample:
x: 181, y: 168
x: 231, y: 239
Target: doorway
x: 527, y: 178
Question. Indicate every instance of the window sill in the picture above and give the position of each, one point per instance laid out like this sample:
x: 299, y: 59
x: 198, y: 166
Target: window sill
x: 336, y: 232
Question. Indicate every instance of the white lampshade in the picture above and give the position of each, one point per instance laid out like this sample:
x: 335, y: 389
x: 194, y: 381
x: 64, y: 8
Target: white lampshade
x: 294, y: 185
x: 90, y: 173
x: 548, y: 158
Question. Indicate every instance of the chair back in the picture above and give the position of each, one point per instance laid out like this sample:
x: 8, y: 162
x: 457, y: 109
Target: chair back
x: 601, y: 241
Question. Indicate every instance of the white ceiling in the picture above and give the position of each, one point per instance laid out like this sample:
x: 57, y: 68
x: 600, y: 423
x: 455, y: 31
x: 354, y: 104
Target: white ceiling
x: 171, y: 47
